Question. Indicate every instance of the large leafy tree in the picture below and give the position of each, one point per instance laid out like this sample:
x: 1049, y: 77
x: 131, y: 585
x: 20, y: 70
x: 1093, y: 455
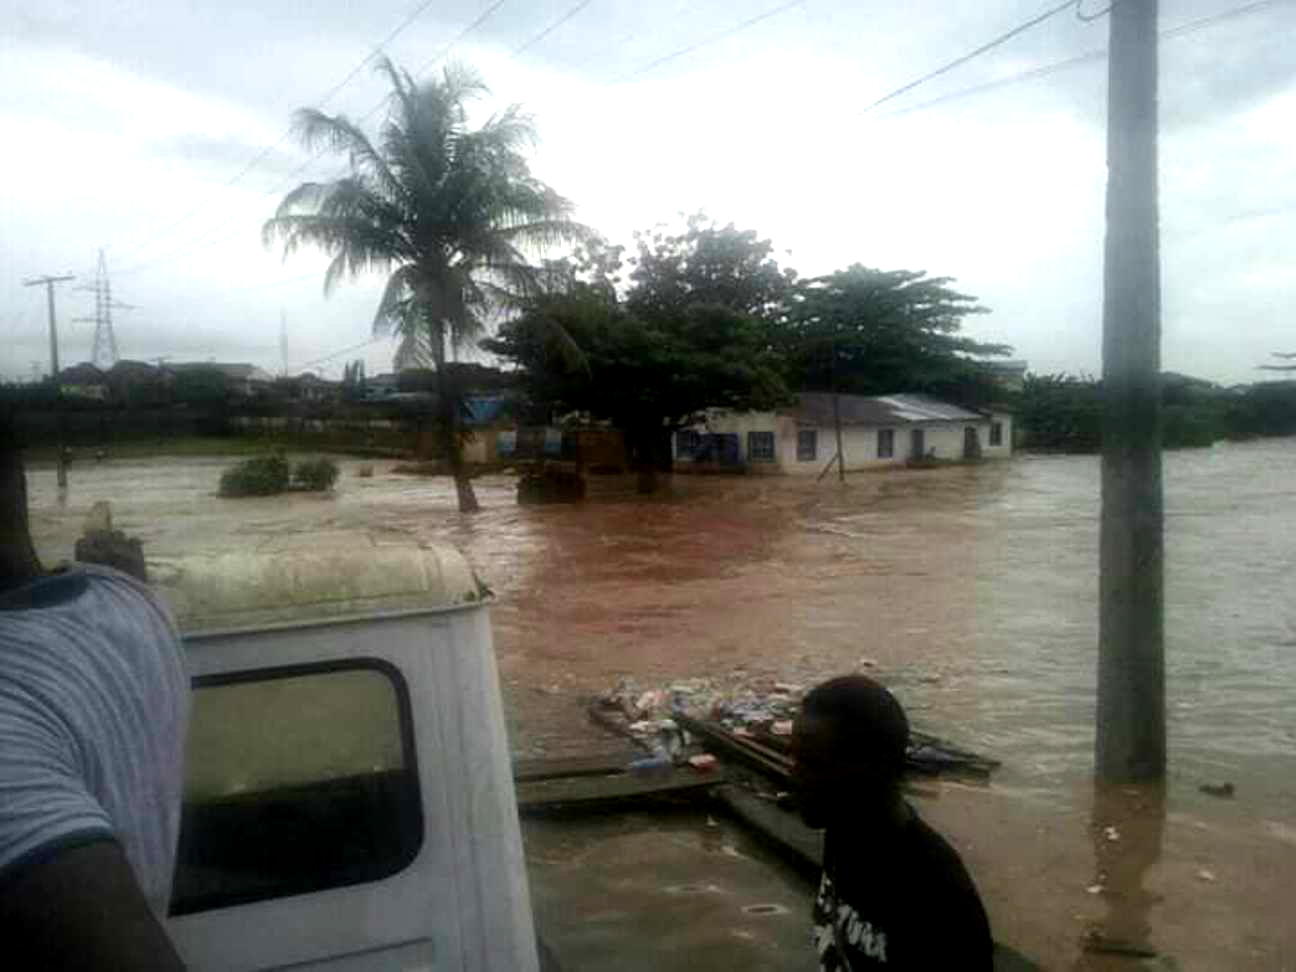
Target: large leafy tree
x: 649, y: 374
x: 875, y: 332
x: 705, y: 264
x: 450, y: 213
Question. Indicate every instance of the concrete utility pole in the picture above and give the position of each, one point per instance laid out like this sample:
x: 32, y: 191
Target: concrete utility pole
x: 1131, y: 737
x: 283, y: 344
x: 48, y: 283
x: 841, y: 456
x: 836, y: 404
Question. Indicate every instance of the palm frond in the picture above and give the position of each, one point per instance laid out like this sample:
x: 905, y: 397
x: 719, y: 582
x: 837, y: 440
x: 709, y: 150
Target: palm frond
x: 451, y: 213
x: 337, y: 133
x: 545, y: 234
x: 396, y: 296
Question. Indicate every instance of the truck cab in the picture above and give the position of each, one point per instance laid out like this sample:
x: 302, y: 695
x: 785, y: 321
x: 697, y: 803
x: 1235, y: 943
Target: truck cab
x: 349, y: 800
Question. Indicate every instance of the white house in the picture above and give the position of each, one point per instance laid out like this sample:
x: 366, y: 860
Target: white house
x: 876, y: 431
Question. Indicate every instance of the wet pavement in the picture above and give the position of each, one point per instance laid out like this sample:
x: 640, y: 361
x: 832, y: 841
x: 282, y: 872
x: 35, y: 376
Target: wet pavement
x: 972, y: 591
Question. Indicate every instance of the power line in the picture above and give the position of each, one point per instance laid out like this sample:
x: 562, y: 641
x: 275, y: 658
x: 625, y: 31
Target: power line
x: 1200, y: 24
x: 552, y: 27
x: 328, y: 96
x: 338, y: 354
x: 715, y: 38
x: 989, y: 46
x: 1032, y: 74
x: 1098, y: 54
x: 481, y: 19
x: 1089, y: 18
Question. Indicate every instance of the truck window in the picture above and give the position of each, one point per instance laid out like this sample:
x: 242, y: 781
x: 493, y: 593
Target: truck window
x: 297, y: 780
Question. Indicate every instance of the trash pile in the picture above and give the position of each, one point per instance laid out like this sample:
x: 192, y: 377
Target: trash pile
x: 673, y: 723
x: 743, y: 707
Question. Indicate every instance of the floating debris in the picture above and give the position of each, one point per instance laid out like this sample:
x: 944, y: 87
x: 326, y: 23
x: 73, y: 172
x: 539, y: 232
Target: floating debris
x: 745, y: 716
x: 1224, y: 790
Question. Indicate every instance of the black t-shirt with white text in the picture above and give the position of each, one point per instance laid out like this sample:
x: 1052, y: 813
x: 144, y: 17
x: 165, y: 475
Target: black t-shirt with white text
x: 903, y: 901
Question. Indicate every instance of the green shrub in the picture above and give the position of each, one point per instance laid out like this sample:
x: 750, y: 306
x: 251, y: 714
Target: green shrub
x: 315, y: 474
x: 1187, y: 427
x: 259, y: 476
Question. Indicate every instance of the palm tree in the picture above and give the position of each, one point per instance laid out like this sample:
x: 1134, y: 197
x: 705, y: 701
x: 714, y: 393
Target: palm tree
x: 448, y: 212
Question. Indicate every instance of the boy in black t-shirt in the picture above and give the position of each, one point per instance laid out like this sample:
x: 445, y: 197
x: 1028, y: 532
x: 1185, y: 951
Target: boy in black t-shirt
x: 894, y: 893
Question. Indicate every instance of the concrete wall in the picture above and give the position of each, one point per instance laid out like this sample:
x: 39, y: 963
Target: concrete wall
x: 481, y: 445
x: 941, y: 440
x: 741, y: 424
x: 1004, y: 449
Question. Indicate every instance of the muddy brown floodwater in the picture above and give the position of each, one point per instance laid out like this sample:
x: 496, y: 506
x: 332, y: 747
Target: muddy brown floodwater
x: 972, y: 591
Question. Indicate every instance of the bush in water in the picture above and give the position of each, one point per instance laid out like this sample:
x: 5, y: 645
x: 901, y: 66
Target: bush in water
x: 259, y: 476
x: 315, y: 474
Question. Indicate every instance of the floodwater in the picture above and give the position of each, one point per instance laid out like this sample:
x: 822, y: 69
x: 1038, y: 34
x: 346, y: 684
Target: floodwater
x: 972, y: 591
x: 643, y: 892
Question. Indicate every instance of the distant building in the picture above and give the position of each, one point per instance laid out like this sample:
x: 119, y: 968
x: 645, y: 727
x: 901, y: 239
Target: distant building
x: 139, y: 382
x: 241, y: 379
x: 876, y: 431
x: 310, y: 387
x: 83, y: 381
x: 381, y: 386
x: 1009, y: 375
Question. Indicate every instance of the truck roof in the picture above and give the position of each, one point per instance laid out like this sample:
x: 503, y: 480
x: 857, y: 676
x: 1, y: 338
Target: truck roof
x: 304, y: 579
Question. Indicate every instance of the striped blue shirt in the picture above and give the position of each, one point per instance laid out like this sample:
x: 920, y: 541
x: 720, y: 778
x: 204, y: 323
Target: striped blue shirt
x: 94, y: 702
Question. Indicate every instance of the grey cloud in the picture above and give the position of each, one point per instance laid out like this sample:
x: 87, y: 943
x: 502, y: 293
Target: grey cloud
x: 1212, y: 75
x: 265, y: 59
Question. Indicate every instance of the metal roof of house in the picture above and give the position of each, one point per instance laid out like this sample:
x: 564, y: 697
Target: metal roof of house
x: 485, y: 409
x: 1014, y: 366
x: 816, y: 408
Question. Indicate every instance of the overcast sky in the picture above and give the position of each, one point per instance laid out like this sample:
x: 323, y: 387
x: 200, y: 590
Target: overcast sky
x: 130, y: 125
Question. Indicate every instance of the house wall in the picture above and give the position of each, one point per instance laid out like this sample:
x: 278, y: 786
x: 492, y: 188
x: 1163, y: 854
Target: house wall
x: 942, y: 440
x: 740, y: 424
x: 480, y: 446
x: 1004, y: 450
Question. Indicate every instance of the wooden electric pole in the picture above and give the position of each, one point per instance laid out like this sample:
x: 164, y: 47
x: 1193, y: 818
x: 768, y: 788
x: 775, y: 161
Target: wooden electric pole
x: 836, y: 405
x: 1131, y: 736
x: 49, y: 282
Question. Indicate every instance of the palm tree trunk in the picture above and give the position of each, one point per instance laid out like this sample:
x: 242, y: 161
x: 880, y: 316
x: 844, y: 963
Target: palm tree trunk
x: 463, y: 485
x: 449, y: 407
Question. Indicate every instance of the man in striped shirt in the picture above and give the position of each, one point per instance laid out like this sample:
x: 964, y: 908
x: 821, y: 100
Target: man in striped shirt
x: 93, y: 710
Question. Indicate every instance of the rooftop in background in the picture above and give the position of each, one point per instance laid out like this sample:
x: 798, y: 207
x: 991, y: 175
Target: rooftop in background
x: 1012, y: 366
x: 238, y: 372
x: 816, y: 408
x: 84, y: 373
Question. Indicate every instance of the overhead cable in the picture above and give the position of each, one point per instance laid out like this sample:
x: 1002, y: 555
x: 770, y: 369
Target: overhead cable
x: 577, y: 8
x: 1098, y: 54
x: 984, y: 48
x: 714, y: 39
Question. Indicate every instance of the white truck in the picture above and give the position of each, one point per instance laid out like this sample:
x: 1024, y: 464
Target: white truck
x: 349, y: 798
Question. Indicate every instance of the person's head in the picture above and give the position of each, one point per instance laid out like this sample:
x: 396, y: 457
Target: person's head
x: 848, y: 748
